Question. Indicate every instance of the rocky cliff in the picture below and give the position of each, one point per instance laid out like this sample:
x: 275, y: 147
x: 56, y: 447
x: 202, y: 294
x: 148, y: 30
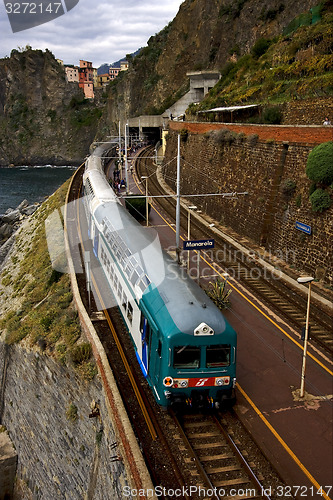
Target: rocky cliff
x: 43, y: 119
x: 205, y: 34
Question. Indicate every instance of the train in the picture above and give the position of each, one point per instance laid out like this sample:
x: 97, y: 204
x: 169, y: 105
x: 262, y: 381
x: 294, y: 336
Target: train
x: 184, y: 346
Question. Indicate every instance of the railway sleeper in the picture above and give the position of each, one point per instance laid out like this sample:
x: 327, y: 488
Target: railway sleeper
x: 232, y: 482
x: 218, y: 470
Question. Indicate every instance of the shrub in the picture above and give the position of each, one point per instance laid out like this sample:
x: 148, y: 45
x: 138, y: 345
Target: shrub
x: 219, y: 294
x: 81, y: 353
x: 224, y: 136
x: 320, y: 200
x: 272, y: 115
x: 288, y: 187
x: 260, y: 47
x: 71, y: 413
x: 319, y: 166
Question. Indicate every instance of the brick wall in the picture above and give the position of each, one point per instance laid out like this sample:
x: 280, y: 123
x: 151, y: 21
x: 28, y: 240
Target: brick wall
x: 260, y: 167
x: 304, y: 134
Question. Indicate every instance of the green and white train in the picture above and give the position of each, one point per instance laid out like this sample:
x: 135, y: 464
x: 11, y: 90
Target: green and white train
x: 185, y: 347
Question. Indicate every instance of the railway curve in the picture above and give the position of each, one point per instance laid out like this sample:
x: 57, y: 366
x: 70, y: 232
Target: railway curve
x: 275, y: 293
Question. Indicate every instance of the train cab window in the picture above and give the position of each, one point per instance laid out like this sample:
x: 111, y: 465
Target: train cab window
x: 186, y: 357
x: 159, y: 349
x: 217, y: 355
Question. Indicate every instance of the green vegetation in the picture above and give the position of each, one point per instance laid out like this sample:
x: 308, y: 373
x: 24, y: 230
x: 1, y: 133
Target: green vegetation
x: 296, y: 65
x: 83, y: 112
x: 320, y: 200
x: 71, y: 413
x: 288, y: 188
x: 319, y: 166
x: 47, y: 316
x: 219, y: 294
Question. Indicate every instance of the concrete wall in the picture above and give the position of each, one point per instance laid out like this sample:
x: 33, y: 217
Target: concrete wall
x: 213, y: 163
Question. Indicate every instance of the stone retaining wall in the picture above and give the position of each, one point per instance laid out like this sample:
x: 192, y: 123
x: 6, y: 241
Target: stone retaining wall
x: 8, y: 465
x: 60, y: 455
x: 218, y: 162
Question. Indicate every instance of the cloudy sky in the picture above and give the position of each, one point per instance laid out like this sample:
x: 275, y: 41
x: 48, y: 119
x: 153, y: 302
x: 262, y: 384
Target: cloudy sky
x: 101, y: 31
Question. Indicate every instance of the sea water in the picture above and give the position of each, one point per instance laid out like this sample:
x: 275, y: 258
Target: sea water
x: 30, y: 183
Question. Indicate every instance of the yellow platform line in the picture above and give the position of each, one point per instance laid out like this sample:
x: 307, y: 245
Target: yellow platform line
x: 283, y: 443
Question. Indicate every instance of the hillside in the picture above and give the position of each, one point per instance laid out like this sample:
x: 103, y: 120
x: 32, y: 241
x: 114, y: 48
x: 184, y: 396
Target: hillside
x: 294, y: 66
x: 43, y: 119
x: 271, y: 54
x: 204, y: 35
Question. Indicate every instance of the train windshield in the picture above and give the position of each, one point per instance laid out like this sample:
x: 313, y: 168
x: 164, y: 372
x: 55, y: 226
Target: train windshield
x: 217, y: 355
x: 186, y: 357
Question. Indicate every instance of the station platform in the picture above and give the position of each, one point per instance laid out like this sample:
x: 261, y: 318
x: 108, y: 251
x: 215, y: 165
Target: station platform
x: 294, y: 433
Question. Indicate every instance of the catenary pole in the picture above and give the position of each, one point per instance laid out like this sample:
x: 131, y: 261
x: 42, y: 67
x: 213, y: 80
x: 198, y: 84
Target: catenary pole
x: 178, y: 203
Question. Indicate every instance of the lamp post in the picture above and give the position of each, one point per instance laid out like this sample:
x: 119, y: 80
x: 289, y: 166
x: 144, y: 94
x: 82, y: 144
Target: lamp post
x: 145, y: 177
x: 303, y: 280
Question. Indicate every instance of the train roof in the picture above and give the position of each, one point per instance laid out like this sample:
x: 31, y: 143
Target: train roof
x: 169, y: 290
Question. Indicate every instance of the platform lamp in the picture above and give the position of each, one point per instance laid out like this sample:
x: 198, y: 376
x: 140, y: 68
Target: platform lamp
x: 304, y: 280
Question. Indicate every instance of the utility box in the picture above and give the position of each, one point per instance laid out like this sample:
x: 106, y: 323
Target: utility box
x: 8, y: 466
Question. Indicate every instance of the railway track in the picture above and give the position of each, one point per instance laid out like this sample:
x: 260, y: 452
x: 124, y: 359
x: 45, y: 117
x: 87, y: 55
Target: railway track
x: 216, y: 463
x: 289, y: 305
x: 194, y: 450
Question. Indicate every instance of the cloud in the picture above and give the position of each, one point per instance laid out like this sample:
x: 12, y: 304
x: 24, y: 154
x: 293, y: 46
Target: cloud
x: 99, y: 31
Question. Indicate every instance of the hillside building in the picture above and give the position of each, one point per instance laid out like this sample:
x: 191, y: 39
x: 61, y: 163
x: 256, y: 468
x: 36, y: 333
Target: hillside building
x: 86, y: 78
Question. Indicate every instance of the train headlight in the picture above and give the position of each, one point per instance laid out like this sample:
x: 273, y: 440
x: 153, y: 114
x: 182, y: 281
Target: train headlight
x: 168, y: 381
x: 222, y: 381
x: 180, y: 383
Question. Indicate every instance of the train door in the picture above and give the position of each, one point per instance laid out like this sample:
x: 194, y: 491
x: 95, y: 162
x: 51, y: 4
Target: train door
x: 145, y: 342
x: 157, y: 348
x: 95, y: 238
x: 89, y: 226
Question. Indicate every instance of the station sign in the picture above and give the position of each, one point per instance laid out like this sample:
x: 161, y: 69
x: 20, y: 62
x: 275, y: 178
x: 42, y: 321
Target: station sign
x: 303, y: 227
x: 198, y: 244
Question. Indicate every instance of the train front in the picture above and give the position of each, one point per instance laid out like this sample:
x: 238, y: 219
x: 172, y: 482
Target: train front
x: 201, y: 369
x: 197, y: 365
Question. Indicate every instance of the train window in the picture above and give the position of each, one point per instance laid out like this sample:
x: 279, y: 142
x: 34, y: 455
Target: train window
x: 124, y: 301
x: 129, y: 268
x: 120, y: 290
x: 217, y: 355
x: 186, y: 357
x: 144, y: 282
x: 134, y: 278
x: 139, y: 270
x: 130, y: 312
